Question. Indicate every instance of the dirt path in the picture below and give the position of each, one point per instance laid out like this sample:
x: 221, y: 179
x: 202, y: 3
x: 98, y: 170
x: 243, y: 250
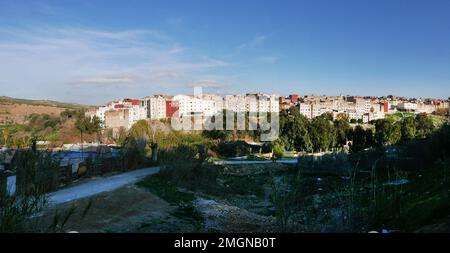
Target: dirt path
x: 127, y: 209
x: 99, y: 185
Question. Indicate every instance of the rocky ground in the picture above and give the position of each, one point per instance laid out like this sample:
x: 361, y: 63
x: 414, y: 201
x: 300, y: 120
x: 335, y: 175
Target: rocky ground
x: 219, y: 217
x: 128, y: 209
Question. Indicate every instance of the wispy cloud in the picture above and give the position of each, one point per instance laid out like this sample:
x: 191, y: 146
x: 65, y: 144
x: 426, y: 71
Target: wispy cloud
x: 258, y: 40
x: 107, y: 80
x: 206, y: 84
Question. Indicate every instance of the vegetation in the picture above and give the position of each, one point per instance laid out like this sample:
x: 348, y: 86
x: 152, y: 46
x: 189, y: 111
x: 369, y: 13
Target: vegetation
x: 65, y: 128
x: 41, y: 102
x: 323, y: 134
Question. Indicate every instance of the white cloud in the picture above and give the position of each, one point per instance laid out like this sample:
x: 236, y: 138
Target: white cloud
x: 206, y: 84
x: 107, y: 80
x: 258, y: 40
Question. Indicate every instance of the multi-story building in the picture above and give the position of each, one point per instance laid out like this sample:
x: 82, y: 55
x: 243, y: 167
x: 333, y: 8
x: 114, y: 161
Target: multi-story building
x: 407, y: 106
x: 305, y: 109
x: 155, y: 107
x: 118, y: 118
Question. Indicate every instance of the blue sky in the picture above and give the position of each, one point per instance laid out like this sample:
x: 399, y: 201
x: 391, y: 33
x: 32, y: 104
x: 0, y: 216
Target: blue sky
x: 96, y: 51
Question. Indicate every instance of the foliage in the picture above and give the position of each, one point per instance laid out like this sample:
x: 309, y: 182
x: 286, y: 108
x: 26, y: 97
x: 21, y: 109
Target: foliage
x: 184, y: 166
x: 36, y: 171
x: 15, y: 211
x: 282, y: 196
x: 387, y: 132
x: 424, y: 125
x: 278, y: 150
x: 408, y: 129
x: 322, y: 134
x: 342, y: 128
x: 88, y: 124
x: 294, y: 130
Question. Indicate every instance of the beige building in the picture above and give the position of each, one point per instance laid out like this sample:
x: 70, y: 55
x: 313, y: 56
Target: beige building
x: 118, y: 118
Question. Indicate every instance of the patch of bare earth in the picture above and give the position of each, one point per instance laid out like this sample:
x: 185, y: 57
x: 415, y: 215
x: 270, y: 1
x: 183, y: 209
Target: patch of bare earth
x: 224, y: 218
x: 18, y: 113
x: 128, y: 209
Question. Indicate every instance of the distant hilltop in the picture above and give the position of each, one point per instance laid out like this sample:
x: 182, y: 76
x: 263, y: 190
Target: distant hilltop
x: 42, y: 102
x: 17, y: 110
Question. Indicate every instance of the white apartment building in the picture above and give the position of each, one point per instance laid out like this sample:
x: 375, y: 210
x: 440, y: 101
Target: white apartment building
x: 235, y: 103
x: 268, y: 103
x: 425, y: 108
x: 205, y: 104
x: 407, y: 106
x: 376, y: 115
x: 155, y: 107
x: 252, y: 103
x: 305, y: 109
x: 312, y: 110
x: 212, y: 104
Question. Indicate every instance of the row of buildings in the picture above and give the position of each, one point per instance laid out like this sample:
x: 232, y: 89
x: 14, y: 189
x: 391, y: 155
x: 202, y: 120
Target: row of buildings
x: 124, y: 113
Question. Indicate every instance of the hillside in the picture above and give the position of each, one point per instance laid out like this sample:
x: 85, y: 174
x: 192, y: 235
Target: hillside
x: 17, y: 111
x: 51, y: 103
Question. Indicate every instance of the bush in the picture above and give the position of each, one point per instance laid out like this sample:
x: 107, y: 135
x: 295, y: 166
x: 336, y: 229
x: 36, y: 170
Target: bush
x: 36, y: 171
x: 184, y: 165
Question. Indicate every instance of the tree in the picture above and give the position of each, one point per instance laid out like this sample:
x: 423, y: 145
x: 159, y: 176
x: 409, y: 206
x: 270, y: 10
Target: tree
x: 139, y: 134
x: 408, y: 129
x: 277, y: 150
x: 342, y: 116
x: 342, y: 128
x: 327, y: 116
x: 294, y: 130
x: 87, y: 125
x: 140, y: 129
x: 322, y: 134
x: 387, y: 132
x: 369, y: 138
x: 358, y: 139
x: 424, y: 125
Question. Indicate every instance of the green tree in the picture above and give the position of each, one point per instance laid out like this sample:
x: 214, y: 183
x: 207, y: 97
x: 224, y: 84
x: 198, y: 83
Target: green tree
x: 327, y: 116
x: 369, y: 138
x: 277, y: 150
x: 87, y: 125
x: 139, y: 135
x: 342, y: 128
x: 322, y: 134
x: 424, y: 125
x: 408, y: 129
x: 294, y: 130
x: 358, y: 139
x: 387, y: 132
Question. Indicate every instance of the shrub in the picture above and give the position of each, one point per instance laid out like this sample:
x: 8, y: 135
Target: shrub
x: 184, y: 165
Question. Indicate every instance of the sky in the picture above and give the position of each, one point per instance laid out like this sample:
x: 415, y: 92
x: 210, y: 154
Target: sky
x: 95, y: 51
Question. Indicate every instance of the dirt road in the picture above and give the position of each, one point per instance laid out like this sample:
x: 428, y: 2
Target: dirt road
x: 99, y: 185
